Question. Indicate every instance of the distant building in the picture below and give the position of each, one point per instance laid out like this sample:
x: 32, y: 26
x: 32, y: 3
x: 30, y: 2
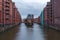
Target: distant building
x: 37, y: 20
x: 29, y: 20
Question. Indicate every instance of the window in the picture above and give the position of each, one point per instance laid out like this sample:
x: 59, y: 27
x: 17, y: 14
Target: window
x: 7, y: 13
x: 8, y: 0
x: 7, y: 18
x: 7, y: 10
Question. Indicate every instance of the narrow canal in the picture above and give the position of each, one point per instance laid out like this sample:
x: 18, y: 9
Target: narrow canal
x: 21, y: 32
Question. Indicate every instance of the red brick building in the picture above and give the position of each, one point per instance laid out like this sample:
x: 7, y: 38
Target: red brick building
x: 37, y: 20
x: 45, y: 14
x: 6, y: 12
x: 9, y: 13
x: 13, y: 13
x: 1, y: 7
x: 17, y: 16
x: 48, y: 17
x: 56, y: 11
x: 53, y: 14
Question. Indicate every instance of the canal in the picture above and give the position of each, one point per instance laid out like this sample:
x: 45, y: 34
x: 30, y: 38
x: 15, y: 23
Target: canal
x: 22, y: 32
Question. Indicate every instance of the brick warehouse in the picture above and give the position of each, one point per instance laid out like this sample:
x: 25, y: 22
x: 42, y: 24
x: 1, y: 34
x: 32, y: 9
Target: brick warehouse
x: 48, y: 14
x: 17, y: 16
x: 56, y: 13
x: 53, y: 11
x: 9, y: 14
x: 37, y: 20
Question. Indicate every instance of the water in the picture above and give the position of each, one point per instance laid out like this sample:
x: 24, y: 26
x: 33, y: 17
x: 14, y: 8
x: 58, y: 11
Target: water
x: 21, y: 32
x: 52, y: 34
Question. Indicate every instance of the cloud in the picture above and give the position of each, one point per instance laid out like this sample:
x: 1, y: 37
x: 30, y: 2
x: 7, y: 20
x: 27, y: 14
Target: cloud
x: 37, y: 1
x: 29, y: 1
x: 30, y: 7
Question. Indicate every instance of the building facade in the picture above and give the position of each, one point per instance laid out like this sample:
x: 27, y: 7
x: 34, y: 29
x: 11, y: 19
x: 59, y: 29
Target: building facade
x: 56, y: 11
x: 9, y: 14
x: 48, y: 16
x: 53, y: 14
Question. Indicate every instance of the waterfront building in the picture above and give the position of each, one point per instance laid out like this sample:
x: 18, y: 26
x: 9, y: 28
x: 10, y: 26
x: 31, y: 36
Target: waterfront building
x: 9, y: 15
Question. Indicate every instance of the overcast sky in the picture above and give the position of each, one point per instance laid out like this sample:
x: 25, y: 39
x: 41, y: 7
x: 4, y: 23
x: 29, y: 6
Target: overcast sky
x: 42, y: 1
x: 26, y: 7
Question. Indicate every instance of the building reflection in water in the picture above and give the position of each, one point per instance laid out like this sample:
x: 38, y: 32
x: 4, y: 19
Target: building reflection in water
x: 22, y: 32
x: 30, y: 33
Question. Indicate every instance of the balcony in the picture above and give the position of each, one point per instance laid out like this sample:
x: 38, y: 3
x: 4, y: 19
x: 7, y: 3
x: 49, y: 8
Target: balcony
x: 7, y: 13
x: 7, y: 5
x: 7, y: 9
x: 7, y: 16
x: 8, y: 1
x: 7, y: 22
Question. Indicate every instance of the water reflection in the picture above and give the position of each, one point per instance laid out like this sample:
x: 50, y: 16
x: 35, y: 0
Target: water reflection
x: 37, y: 33
x: 34, y: 33
x: 10, y: 34
x: 22, y: 32
x: 52, y: 34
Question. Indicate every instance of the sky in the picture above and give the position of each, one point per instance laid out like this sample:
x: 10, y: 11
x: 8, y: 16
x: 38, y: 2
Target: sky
x: 34, y: 7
